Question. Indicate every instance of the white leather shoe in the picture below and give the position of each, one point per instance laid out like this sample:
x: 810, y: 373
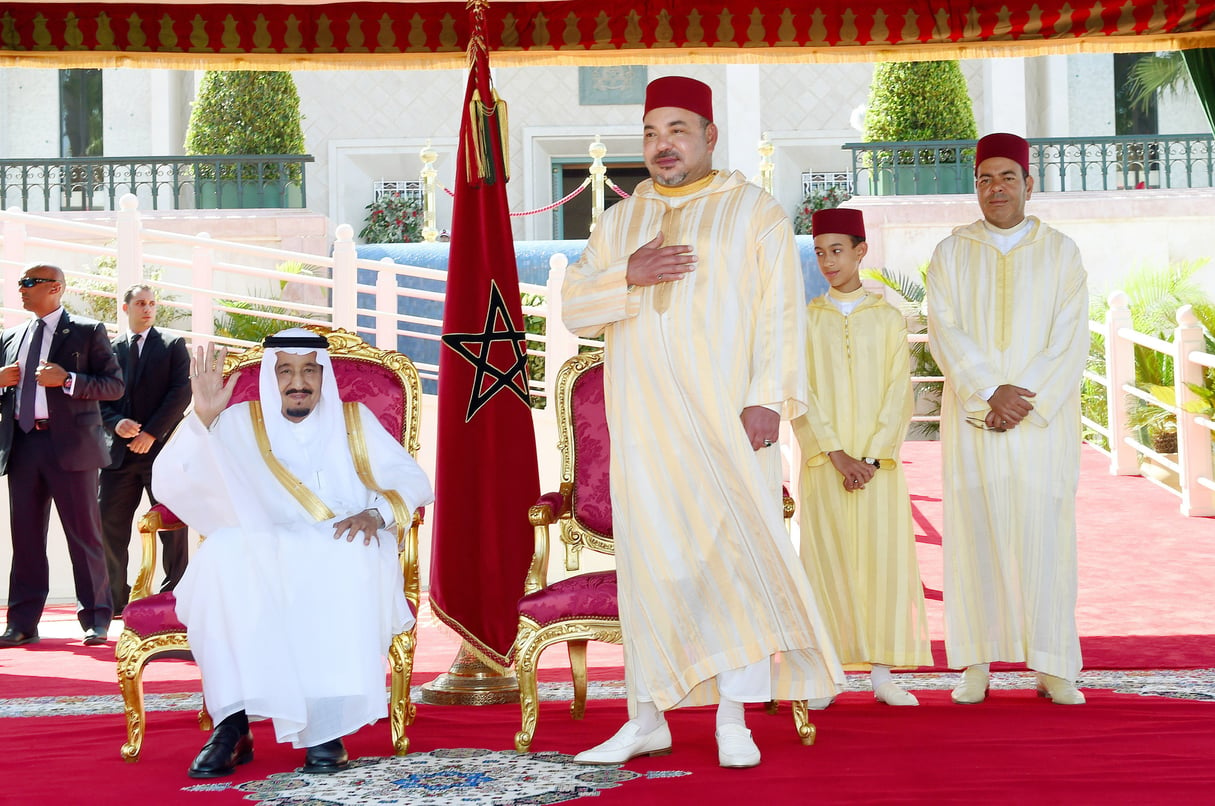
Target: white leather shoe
x: 890, y: 693
x: 1060, y: 691
x: 629, y: 742
x: 973, y: 688
x: 736, y: 748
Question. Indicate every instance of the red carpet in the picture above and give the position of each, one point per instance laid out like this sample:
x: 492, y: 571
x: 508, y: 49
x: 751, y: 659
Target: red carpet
x: 1012, y: 749
x: 1146, y: 574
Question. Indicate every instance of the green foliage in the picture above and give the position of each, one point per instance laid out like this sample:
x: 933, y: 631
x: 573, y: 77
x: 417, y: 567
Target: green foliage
x: 910, y: 101
x: 913, y: 294
x: 393, y: 219
x: 263, y: 319
x: 99, y: 293
x: 246, y: 112
x: 1155, y: 74
x: 537, y: 325
x: 815, y: 201
x: 1154, y: 294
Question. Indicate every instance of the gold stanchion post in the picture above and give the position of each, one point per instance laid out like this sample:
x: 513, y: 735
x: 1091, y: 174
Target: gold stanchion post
x: 470, y: 681
x: 429, y: 232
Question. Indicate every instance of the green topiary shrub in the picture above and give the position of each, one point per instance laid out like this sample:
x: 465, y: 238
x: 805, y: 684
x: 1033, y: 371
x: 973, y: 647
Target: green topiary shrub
x: 246, y: 112
x: 911, y: 101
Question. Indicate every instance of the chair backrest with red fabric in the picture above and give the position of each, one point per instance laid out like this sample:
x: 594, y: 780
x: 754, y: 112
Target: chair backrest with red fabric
x: 592, y: 450
x: 359, y: 381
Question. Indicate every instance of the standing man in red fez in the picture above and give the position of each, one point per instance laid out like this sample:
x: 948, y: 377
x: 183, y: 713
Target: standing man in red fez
x: 1008, y: 324
x: 696, y: 284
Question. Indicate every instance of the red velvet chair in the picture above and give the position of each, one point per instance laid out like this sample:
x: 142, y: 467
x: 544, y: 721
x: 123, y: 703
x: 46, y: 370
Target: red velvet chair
x: 388, y: 384
x: 582, y: 607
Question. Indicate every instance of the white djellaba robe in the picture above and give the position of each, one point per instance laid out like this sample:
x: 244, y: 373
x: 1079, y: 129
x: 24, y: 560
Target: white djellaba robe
x: 1009, y: 537
x: 285, y: 621
x: 707, y: 575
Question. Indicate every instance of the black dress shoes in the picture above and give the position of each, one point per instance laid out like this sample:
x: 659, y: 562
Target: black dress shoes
x: 230, y: 744
x: 14, y: 637
x: 325, y: 758
x: 95, y: 637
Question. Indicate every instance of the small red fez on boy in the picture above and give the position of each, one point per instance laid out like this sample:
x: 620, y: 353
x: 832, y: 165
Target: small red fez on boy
x: 840, y: 220
x: 680, y: 91
x: 1002, y: 144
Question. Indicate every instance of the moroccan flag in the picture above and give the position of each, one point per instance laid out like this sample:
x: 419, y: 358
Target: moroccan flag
x: 486, y: 476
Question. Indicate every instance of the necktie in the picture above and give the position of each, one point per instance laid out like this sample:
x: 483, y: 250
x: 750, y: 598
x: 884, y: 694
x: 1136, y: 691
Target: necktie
x: 133, y: 359
x: 29, y: 384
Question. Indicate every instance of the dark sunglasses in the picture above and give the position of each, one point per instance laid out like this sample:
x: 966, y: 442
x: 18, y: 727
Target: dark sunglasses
x: 30, y: 282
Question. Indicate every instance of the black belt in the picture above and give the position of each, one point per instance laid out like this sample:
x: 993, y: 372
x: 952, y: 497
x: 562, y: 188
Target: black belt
x: 42, y: 425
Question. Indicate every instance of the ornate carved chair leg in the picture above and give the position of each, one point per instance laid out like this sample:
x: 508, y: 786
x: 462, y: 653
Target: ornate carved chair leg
x: 130, y: 681
x: 577, y: 650
x: 526, y: 656
x: 801, y: 720
x: 401, y: 710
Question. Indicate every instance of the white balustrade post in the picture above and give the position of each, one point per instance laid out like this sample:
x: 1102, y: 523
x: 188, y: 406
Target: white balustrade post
x: 386, y: 302
x: 1119, y: 371
x: 13, y: 255
x: 345, y: 279
x: 202, y: 280
x: 1193, y: 440
x: 560, y: 345
x: 130, y: 251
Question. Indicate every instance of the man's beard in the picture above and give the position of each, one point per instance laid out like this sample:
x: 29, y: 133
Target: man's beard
x: 672, y: 181
x: 297, y: 410
x: 669, y: 181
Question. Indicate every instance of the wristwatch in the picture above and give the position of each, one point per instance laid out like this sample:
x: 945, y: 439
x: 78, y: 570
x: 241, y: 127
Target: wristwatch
x: 67, y: 384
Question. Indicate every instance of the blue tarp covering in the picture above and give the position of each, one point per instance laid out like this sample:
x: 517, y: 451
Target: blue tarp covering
x: 532, y: 258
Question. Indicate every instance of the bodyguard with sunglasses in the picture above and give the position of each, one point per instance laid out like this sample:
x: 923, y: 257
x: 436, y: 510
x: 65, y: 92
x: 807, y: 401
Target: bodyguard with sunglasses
x: 53, y: 371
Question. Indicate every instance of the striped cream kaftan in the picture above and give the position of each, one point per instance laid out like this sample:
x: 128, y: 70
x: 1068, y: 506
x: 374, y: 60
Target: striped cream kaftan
x: 858, y: 547
x: 1009, y: 497
x: 708, y: 578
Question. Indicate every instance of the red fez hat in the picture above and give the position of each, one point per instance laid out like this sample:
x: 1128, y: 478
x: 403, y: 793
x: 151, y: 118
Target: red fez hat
x: 681, y: 91
x: 1003, y: 144
x: 841, y: 220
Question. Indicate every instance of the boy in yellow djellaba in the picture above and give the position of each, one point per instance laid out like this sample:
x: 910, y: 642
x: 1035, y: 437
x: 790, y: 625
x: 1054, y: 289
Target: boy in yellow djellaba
x: 857, y: 538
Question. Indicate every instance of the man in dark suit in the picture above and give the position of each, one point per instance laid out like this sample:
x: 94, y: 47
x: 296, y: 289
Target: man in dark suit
x: 53, y: 371
x: 157, y: 374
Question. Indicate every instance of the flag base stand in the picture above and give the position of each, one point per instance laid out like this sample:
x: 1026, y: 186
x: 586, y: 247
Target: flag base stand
x: 470, y: 681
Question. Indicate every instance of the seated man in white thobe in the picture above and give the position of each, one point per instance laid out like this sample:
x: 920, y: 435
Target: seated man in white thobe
x: 294, y: 596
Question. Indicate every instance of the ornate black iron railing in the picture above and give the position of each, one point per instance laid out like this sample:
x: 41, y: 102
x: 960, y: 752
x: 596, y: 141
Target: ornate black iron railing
x: 160, y: 183
x: 1057, y: 163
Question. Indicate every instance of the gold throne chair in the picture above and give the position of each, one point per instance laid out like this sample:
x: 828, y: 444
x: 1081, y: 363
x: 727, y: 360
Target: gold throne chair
x: 583, y: 607
x: 388, y: 384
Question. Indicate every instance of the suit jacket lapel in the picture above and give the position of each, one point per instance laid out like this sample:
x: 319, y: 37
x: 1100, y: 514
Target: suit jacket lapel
x: 62, y: 331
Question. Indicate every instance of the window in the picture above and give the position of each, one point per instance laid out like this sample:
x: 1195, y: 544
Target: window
x: 80, y: 113
x: 822, y: 181
x: 572, y: 220
x: 410, y: 189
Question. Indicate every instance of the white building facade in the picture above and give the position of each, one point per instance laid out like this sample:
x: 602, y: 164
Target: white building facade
x: 368, y: 127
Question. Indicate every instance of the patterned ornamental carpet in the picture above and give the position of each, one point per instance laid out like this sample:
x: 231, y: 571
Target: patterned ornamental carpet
x: 464, y: 776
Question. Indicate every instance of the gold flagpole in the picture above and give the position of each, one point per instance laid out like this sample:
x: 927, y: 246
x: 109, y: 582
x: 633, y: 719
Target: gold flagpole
x: 470, y: 680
